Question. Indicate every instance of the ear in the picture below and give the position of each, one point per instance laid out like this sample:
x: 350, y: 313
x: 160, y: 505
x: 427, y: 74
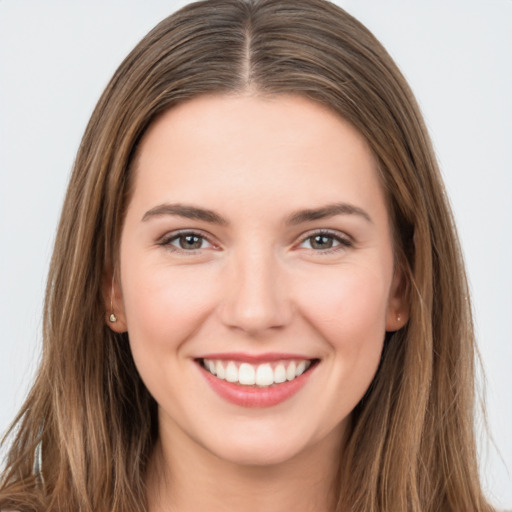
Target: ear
x: 397, y: 313
x: 113, y: 300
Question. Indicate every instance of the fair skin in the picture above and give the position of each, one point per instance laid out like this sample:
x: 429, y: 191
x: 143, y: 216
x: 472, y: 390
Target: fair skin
x: 258, y: 235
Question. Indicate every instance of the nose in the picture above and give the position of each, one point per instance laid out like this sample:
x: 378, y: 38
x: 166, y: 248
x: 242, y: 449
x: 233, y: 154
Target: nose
x: 255, y: 295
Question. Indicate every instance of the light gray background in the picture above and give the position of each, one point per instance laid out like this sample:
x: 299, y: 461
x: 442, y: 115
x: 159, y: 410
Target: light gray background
x: 57, y: 56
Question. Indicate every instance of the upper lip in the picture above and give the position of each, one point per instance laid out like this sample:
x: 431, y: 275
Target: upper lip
x: 255, y: 358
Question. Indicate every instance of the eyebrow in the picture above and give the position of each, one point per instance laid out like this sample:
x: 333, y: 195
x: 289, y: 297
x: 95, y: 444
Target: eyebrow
x: 186, y: 211
x: 298, y: 217
x: 324, y: 212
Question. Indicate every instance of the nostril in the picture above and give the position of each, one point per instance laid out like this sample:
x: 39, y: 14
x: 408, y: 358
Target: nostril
x: 253, y: 317
x: 254, y: 295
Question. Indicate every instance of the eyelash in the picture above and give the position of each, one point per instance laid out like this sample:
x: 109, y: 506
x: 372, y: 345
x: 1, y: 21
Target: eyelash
x: 344, y: 242
x: 167, y: 240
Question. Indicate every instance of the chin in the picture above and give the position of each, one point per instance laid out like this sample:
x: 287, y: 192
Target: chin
x: 257, y: 453
x: 261, y: 444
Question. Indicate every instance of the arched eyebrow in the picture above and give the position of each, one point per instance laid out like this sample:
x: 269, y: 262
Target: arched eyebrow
x: 186, y: 211
x: 324, y: 212
x: 297, y: 217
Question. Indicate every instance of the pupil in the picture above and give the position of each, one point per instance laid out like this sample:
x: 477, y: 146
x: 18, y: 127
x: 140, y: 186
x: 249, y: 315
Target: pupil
x: 190, y: 242
x: 322, y: 242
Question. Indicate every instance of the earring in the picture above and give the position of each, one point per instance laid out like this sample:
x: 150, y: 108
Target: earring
x: 398, y: 318
x: 112, y: 318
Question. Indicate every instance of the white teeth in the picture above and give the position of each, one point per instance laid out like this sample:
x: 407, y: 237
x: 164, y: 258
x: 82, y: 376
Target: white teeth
x: 219, y: 370
x: 300, y: 368
x: 231, y: 372
x: 211, y: 367
x: 290, y: 371
x: 262, y: 375
x: 279, y: 374
x: 246, y: 374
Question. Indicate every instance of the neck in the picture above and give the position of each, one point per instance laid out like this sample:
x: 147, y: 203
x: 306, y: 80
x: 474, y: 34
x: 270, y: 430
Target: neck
x: 188, y: 478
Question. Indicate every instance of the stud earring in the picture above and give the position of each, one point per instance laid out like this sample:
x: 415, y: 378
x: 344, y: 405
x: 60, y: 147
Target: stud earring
x: 398, y: 317
x: 112, y: 318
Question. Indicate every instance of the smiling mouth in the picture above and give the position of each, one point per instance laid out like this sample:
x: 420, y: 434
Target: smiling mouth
x: 262, y: 375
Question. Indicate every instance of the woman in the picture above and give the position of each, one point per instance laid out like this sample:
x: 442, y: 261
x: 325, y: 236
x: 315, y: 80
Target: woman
x: 256, y: 297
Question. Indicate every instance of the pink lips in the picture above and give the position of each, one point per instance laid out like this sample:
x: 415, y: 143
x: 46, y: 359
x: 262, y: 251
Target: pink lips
x: 254, y: 396
x: 252, y: 358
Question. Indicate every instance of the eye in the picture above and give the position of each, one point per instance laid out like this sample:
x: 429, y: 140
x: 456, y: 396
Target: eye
x: 186, y: 241
x: 325, y: 241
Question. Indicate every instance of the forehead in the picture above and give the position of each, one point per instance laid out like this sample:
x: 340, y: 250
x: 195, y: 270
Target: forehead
x: 281, y: 147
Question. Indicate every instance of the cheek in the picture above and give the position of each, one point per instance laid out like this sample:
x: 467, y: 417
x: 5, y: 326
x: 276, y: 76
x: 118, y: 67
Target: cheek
x: 349, y: 308
x: 349, y: 313
x: 164, y: 305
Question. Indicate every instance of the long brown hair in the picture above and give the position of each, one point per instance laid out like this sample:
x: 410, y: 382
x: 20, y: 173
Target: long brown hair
x: 411, y: 446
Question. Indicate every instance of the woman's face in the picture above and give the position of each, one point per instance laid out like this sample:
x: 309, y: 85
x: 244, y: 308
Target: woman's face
x: 256, y: 275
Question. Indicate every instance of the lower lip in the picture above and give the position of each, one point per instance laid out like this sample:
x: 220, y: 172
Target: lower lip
x: 248, y: 396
